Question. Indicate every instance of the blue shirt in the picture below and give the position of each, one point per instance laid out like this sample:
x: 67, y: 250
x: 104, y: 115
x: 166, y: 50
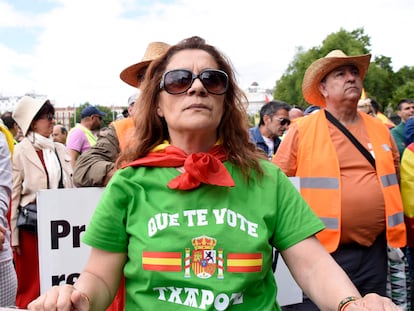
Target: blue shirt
x: 257, y: 138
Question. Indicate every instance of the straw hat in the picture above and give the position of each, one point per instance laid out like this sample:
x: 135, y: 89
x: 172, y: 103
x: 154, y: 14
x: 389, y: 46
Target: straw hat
x: 318, y: 70
x: 26, y: 109
x: 130, y: 74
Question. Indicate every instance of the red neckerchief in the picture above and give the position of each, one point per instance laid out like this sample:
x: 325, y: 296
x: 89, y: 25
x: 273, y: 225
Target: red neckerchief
x: 200, y: 167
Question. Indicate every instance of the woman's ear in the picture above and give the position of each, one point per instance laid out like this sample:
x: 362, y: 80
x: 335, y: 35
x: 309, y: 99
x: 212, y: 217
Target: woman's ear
x: 159, y: 112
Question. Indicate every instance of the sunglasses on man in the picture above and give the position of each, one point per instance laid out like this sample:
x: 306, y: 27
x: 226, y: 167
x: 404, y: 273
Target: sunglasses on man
x: 284, y: 121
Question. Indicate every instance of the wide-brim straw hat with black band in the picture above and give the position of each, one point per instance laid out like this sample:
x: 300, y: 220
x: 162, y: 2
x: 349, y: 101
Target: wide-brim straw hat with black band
x: 130, y: 74
x: 318, y: 70
x: 25, y: 111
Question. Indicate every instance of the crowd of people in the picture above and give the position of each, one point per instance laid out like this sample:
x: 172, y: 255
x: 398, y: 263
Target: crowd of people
x: 186, y: 151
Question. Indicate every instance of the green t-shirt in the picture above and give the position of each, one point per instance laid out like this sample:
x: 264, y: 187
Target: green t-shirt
x: 398, y: 134
x: 205, y: 249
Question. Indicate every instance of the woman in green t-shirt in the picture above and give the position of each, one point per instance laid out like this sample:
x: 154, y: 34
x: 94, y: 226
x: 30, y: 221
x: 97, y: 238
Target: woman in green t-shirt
x: 191, y: 218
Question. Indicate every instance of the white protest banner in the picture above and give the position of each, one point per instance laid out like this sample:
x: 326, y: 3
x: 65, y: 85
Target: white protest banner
x: 289, y: 291
x: 63, y: 215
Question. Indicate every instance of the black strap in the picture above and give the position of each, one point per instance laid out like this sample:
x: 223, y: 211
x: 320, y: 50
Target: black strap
x: 61, y: 172
x: 351, y: 137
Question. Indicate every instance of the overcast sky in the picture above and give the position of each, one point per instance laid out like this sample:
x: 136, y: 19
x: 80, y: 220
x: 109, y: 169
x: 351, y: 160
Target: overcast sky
x: 72, y: 51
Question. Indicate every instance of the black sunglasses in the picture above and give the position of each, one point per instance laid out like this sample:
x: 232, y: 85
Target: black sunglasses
x: 284, y: 121
x: 49, y: 117
x: 178, y: 81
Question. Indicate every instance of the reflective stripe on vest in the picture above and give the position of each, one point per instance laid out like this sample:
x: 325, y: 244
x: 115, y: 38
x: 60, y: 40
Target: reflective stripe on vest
x: 330, y: 223
x: 319, y: 183
x: 322, y: 183
x: 396, y: 219
x: 389, y: 180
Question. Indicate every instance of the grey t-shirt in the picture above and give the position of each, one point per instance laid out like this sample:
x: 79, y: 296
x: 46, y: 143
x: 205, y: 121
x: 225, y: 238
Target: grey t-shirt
x: 5, y: 193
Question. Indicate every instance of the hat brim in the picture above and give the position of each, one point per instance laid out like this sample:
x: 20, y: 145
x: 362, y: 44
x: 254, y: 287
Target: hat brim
x: 25, y: 111
x: 130, y: 74
x: 318, y: 70
x: 133, y: 74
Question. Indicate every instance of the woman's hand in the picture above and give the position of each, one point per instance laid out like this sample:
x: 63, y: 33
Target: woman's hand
x: 61, y: 298
x: 372, y: 302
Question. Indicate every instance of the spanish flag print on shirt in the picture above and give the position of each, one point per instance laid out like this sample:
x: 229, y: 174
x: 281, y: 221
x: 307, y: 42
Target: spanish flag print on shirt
x: 244, y: 262
x: 162, y: 261
x: 203, y: 260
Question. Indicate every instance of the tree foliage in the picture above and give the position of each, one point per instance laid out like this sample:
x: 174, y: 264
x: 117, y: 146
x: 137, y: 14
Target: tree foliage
x: 381, y: 82
x: 404, y: 79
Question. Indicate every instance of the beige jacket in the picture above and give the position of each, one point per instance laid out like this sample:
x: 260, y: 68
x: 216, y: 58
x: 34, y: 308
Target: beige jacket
x: 29, y: 176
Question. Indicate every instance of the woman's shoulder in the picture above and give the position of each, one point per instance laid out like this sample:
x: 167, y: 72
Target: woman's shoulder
x: 137, y: 172
x: 268, y: 165
x: 59, y: 146
x: 269, y: 169
x: 264, y: 163
x: 24, y: 144
x: 62, y: 151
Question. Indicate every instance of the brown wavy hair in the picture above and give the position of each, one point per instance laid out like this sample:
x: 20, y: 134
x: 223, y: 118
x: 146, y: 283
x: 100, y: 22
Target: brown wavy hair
x: 151, y: 129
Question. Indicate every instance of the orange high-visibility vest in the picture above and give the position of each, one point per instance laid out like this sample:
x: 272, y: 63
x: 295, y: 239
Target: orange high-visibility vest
x: 124, y: 130
x: 318, y: 168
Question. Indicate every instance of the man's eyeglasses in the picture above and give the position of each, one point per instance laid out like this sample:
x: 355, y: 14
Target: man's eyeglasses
x: 49, y: 117
x: 97, y: 116
x: 284, y: 121
x: 178, y: 81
